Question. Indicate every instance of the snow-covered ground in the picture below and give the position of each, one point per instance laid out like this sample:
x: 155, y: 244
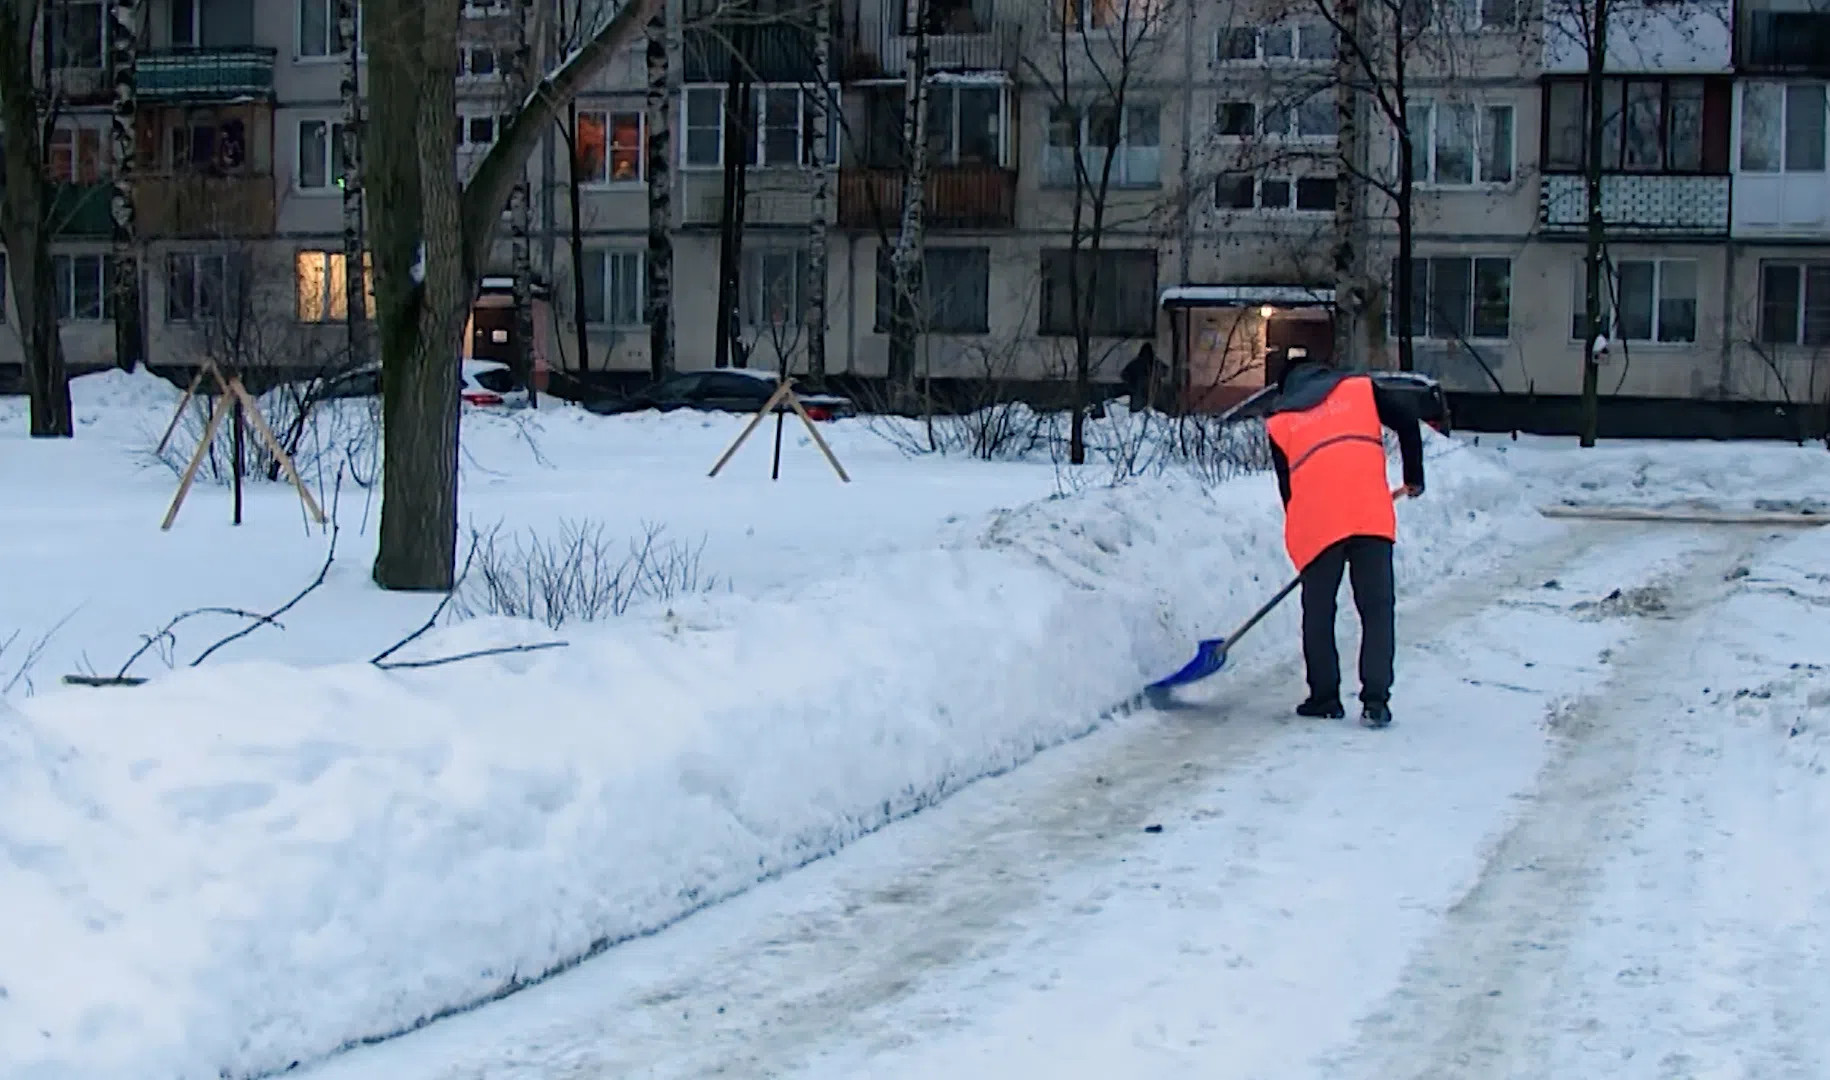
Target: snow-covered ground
x: 257, y: 861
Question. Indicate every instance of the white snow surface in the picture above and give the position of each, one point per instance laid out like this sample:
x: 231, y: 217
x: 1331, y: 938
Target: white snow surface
x: 256, y: 862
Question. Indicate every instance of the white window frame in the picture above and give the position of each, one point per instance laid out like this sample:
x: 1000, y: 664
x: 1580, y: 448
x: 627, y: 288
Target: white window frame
x: 1296, y: 29
x: 1421, y: 307
x: 1423, y: 144
x: 1471, y: 16
x: 951, y: 156
x: 1784, y: 86
x: 69, y: 131
x: 196, y: 38
x: 467, y: 53
x: 1610, y: 301
x: 626, y: 257
x: 608, y: 112
x: 1801, y: 303
x: 759, y: 97
x: 1292, y: 115
x: 333, y: 141
x: 751, y: 307
x: 63, y: 270
x: 332, y: 301
x: 226, y: 269
x: 1288, y: 206
x: 330, y: 55
x: 1058, y: 162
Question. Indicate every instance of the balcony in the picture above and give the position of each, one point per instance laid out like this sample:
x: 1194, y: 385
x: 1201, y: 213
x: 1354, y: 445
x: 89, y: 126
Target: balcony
x: 967, y: 197
x: 82, y: 210
x: 199, y: 205
x: 877, y: 47
x: 1647, y: 205
x: 778, y: 52
x: 1785, y: 41
x: 232, y: 73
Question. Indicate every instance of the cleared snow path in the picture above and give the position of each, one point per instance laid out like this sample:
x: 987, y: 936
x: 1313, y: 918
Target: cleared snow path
x: 1031, y: 926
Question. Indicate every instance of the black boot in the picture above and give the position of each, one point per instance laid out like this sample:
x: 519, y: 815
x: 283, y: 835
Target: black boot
x: 1376, y: 715
x: 1321, y: 709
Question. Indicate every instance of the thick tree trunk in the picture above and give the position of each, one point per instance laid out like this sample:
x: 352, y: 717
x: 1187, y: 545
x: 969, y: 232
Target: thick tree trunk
x: 355, y: 296
x: 24, y: 227
x: 906, y: 314
x: 1596, y: 240
x: 129, y: 335
x: 660, y: 161
x: 822, y: 197
x: 1405, y: 294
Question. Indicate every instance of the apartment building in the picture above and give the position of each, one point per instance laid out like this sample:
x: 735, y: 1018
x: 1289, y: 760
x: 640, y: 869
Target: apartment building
x: 1215, y: 215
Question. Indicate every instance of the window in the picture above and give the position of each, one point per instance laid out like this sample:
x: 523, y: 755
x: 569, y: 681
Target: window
x: 955, y: 287
x: 78, y: 155
x: 1243, y: 191
x: 1649, y: 125
x: 616, y: 291
x: 774, y: 286
x: 1459, y: 297
x: 203, y: 145
x: 610, y: 147
x: 1300, y: 42
x: 1117, y: 290
x: 199, y: 286
x: 78, y: 34
x: 323, y: 286
x: 1315, y: 117
x: 321, y: 161
x: 783, y: 120
x: 1460, y: 145
x: 965, y: 125
x: 1131, y: 135
x: 1236, y: 118
x: 475, y: 133
x: 1782, y: 127
x: 478, y: 62
x: 1127, y: 17
x: 1795, y: 303
x: 319, y: 34
x: 1465, y: 15
x: 83, y: 292
x: 1652, y: 300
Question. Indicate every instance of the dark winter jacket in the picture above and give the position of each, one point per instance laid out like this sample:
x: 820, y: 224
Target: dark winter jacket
x: 1306, y: 385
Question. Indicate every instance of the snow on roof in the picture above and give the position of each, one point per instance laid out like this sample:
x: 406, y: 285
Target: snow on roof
x: 1239, y: 295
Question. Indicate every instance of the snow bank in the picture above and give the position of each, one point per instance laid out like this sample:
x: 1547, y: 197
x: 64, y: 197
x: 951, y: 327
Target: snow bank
x: 1727, y: 476
x: 241, y: 867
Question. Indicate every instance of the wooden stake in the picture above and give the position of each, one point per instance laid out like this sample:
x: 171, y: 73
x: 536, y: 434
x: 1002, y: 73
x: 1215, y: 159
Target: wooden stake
x: 768, y: 407
x: 795, y: 402
x: 279, y: 452
x: 189, y: 393
x: 203, y: 447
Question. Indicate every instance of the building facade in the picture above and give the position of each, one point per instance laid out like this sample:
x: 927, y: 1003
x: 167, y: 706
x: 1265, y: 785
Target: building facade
x: 1189, y: 151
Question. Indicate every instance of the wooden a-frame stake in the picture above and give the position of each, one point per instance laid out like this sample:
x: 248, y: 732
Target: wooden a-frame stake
x: 783, y: 392
x: 230, y: 387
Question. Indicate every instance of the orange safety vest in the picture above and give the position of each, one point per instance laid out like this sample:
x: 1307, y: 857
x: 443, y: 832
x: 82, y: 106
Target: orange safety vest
x: 1338, y: 486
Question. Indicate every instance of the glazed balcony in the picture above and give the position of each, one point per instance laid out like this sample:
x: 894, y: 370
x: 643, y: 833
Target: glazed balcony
x: 957, y: 197
x: 1639, y: 204
x: 211, y: 73
x: 973, y: 35
x: 82, y: 211
x: 1783, y: 41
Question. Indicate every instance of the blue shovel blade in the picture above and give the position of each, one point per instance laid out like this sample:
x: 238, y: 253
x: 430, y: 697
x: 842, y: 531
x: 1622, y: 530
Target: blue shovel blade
x: 1210, y: 657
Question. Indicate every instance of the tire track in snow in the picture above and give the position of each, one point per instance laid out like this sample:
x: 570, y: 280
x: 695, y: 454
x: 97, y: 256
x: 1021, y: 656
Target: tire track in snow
x: 828, y: 953
x: 1481, y: 1002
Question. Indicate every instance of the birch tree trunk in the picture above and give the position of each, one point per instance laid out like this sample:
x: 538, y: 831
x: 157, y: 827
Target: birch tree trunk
x: 1350, y: 195
x: 905, y: 257
x: 355, y: 295
x: 521, y: 214
x: 25, y: 228
x: 123, y: 50
x: 822, y: 195
x: 658, y: 156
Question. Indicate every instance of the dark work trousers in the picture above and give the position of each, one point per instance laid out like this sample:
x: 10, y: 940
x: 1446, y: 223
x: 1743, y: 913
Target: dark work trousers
x: 1368, y: 560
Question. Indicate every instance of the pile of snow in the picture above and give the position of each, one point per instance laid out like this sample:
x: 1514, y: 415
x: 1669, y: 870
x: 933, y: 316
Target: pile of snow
x: 240, y: 867
x: 1719, y: 476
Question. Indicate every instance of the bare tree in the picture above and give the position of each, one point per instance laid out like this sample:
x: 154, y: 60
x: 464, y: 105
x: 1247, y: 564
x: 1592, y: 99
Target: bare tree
x: 123, y: 53
x: 659, y: 268
x: 430, y: 239
x: 25, y: 213
x: 1091, y: 78
x: 905, y: 255
x: 355, y: 276
x: 822, y: 192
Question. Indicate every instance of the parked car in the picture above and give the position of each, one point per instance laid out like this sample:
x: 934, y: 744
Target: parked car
x: 482, y: 382
x: 724, y: 390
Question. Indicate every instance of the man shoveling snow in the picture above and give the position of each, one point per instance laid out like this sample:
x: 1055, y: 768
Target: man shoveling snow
x: 1328, y: 449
